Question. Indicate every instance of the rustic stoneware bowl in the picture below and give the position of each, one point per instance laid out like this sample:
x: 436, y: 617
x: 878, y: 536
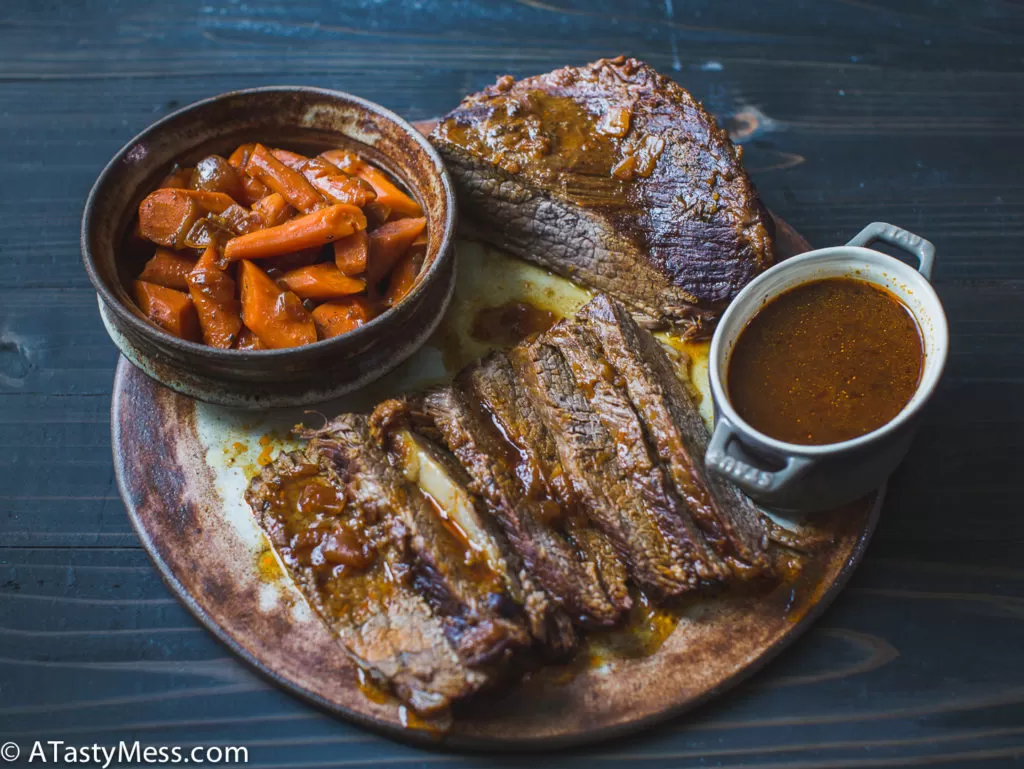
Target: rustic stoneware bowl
x: 297, y: 118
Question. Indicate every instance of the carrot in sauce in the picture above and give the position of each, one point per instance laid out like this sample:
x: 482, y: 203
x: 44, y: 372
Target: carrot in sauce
x: 276, y: 316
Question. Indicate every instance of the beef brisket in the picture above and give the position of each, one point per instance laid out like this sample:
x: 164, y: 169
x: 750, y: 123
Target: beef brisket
x: 615, y: 177
x: 523, y: 508
x: 494, y: 383
x: 471, y: 598
x: 729, y: 520
x: 588, y: 452
x: 385, y: 626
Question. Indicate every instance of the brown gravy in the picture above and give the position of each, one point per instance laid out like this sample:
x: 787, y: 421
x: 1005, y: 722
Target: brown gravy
x: 826, y: 362
x: 510, y: 323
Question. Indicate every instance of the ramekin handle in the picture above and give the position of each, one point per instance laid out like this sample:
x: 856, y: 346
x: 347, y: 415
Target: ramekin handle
x: 900, y: 238
x: 754, y: 479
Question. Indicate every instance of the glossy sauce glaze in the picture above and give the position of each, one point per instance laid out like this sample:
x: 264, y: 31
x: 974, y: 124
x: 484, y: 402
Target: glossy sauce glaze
x: 510, y: 323
x: 826, y: 362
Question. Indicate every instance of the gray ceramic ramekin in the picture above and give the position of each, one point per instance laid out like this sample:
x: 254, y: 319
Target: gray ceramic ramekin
x: 295, y: 118
x: 795, y: 478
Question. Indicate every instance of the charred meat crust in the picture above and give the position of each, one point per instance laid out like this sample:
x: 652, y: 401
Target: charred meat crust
x: 492, y: 462
x: 729, y: 520
x: 588, y: 453
x: 616, y: 177
x: 393, y: 636
x: 470, y: 606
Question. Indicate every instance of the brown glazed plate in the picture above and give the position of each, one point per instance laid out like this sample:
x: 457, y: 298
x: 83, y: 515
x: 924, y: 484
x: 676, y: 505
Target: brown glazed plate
x: 182, y: 467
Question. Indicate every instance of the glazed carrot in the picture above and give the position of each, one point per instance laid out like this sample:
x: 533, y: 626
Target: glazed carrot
x: 213, y: 294
x: 241, y: 220
x: 343, y: 315
x: 167, y: 215
x: 293, y: 160
x: 342, y: 159
x: 310, y: 231
x: 403, y: 276
x: 214, y: 202
x: 321, y: 282
x: 277, y: 317
x: 292, y: 261
x: 215, y: 174
x: 388, y: 243
x: 316, y: 167
x: 352, y: 252
x: 273, y: 209
x: 340, y: 188
x: 387, y: 192
x: 179, y: 178
x: 169, y: 269
x: 254, y: 189
x: 280, y: 178
x: 169, y: 309
x: 248, y: 341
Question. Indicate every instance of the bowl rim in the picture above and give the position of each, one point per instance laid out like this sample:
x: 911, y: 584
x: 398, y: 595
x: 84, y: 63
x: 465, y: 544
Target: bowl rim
x: 718, y: 366
x: 160, y: 336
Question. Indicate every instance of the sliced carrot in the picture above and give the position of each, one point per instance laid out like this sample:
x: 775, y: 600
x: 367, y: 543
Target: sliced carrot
x: 291, y: 159
x: 215, y: 174
x: 169, y: 269
x: 320, y: 282
x: 178, y: 178
x: 310, y: 231
x: 292, y: 261
x: 342, y: 159
x: 351, y: 253
x: 213, y: 294
x: 254, y: 189
x: 213, y: 202
x: 277, y: 317
x: 316, y: 167
x: 171, y: 310
x: 403, y: 276
x: 273, y: 209
x: 342, y: 315
x: 167, y: 215
x: 248, y: 341
x: 264, y: 167
x: 388, y: 243
x: 387, y: 192
x: 340, y: 188
x: 376, y: 214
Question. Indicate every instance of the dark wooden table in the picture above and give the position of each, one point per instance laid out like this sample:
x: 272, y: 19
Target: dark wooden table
x: 849, y: 111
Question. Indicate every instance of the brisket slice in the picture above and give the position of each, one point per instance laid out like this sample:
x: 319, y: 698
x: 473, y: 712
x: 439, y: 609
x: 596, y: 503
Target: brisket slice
x: 588, y: 453
x: 494, y: 383
x: 472, y: 601
x: 729, y: 520
x: 397, y: 640
x: 615, y: 177
x: 523, y: 509
x: 468, y: 509
x: 606, y: 394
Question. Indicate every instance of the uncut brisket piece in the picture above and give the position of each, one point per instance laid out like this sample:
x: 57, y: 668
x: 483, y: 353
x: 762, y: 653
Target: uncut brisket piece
x: 384, y: 625
x: 729, y: 520
x: 472, y: 603
x: 615, y: 177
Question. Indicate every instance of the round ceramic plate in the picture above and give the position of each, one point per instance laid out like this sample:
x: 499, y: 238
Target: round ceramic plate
x: 182, y: 467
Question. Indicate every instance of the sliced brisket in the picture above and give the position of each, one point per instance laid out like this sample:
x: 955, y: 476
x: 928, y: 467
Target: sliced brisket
x: 389, y: 630
x: 728, y: 519
x: 614, y: 176
x: 471, y: 598
x: 523, y: 509
x: 588, y: 453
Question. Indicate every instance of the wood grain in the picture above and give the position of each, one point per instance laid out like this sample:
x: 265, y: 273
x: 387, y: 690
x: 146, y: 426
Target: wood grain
x: 849, y: 111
